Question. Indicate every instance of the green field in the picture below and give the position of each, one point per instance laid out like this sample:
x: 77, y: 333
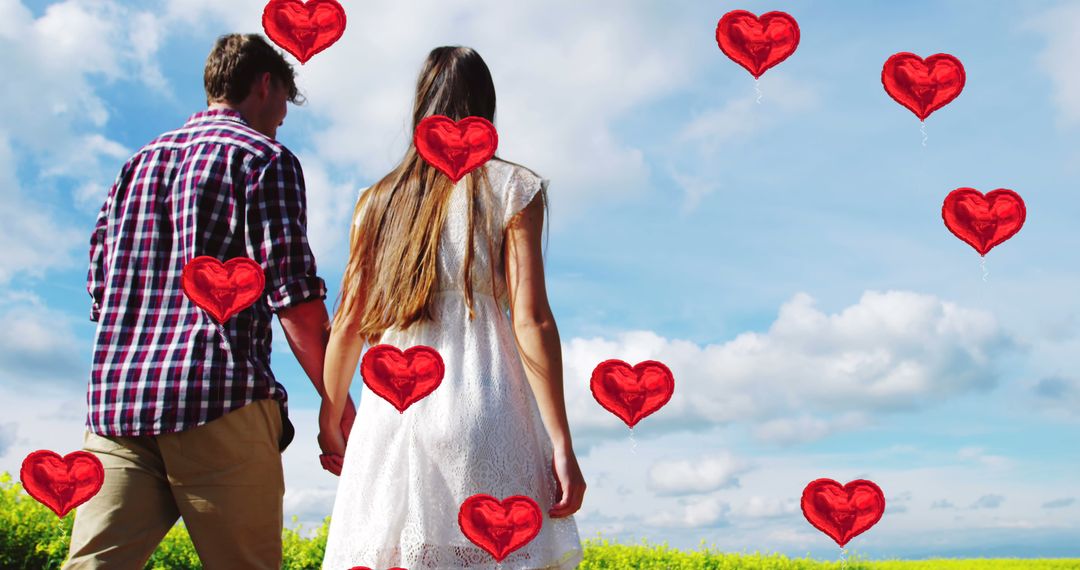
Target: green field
x: 32, y: 537
x: 603, y: 554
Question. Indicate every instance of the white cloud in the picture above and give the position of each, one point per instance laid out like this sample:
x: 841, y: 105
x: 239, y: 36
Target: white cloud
x: 8, y: 432
x: 696, y: 476
x: 202, y: 14
x: 942, y: 504
x: 799, y: 539
x: 90, y: 196
x: 54, y: 119
x: 13, y: 16
x: 32, y: 239
x: 767, y: 508
x: 765, y: 516
x: 54, y: 106
x: 330, y: 207
x: 146, y: 35
x: 700, y: 513
x: 999, y: 522
x: 1059, y: 26
x: 805, y: 428
x: 89, y: 155
x: 978, y: 455
x: 38, y: 344
x: 988, y: 502
x: 308, y: 505
x: 1059, y: 503
x: 1057, y: 394
x: 810, y: 373
x: 79, y: 33
x: 763, y: 508
x: 742, y: 116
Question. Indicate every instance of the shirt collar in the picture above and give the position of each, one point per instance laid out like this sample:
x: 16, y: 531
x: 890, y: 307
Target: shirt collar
x: 217, y: 114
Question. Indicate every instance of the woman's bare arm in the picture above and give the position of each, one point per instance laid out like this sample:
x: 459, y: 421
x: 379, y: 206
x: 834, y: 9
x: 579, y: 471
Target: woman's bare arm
x: 533, y: 322
x: 541, y: 351
x: 342, y: 355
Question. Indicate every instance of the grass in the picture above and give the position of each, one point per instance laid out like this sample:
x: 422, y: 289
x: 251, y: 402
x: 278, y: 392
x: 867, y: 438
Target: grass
x: 601, y: 553
x: 32, y: 537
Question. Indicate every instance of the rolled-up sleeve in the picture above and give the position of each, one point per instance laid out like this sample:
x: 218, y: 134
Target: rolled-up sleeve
x: 279, y: 205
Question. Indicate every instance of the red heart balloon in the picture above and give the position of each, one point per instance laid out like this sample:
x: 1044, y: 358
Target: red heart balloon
x: 62, y: 483
x: 843, y: 512
x: 500, y: 527
x: 222, y: 289
x: 632, y: 393
x: 304, y: 29
x: 923, y: 86
x: 455, y: 148
x: 757, y: 43
x: 402, y: 378
x: 983, y: 221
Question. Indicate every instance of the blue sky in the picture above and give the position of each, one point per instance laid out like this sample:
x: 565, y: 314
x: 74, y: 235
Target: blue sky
x: 786, y: 259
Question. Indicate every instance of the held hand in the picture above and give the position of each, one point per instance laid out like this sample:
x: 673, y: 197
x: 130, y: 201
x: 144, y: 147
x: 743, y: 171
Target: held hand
x: 332, y: 445
x: 571, y: 484
x: 331, y: 440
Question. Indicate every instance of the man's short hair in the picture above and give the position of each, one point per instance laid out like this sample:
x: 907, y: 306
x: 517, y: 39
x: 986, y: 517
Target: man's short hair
x: 236, y: 61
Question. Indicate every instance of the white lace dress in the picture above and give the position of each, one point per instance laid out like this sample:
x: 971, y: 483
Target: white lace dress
x: 406, y: 475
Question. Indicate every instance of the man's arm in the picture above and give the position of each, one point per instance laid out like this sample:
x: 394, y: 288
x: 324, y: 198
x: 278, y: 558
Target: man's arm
x: 294, y: 290
x: 307, y: 328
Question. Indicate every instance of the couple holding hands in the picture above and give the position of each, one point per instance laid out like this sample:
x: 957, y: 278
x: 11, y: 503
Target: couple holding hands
x: 187, y: 416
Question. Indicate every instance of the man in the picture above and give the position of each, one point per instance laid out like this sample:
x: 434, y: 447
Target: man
x: 184, y: 412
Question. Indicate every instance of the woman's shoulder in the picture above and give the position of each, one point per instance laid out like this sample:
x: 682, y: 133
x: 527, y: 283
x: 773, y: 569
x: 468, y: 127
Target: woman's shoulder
x: 500, y: 163
x: 501, y: 172
x: 519, y: 174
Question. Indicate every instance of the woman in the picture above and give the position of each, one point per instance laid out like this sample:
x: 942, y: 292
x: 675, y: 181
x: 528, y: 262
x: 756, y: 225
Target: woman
x: 439, y: 264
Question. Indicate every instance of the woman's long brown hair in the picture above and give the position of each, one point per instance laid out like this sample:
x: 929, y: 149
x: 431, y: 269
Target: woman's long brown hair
x: 394, y: 250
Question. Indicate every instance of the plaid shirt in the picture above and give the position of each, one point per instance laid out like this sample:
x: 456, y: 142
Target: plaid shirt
x: 214, y: 187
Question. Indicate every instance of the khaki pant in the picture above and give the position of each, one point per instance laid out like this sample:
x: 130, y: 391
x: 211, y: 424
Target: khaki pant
x: 224, y: 478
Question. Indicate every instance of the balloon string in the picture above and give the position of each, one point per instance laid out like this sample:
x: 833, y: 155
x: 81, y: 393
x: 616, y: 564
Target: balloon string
x: 982, y: 263
x: 922, y: 129
x: 60, y: 527
x: 633, y: 442
x: 843, y: 558
x: 757, y: 89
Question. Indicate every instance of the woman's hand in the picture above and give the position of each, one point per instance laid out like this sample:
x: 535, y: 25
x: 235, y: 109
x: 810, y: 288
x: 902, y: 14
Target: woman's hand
x: 571, y: 483
x: 331, y: 438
